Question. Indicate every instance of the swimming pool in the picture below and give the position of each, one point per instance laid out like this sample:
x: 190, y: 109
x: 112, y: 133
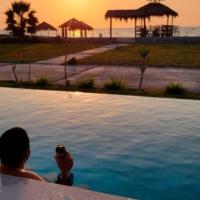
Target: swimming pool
x: 145, y: 148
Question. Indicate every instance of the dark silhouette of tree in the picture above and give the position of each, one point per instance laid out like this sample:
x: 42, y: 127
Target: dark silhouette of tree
x: 20, y: 19
x: 144, y: 54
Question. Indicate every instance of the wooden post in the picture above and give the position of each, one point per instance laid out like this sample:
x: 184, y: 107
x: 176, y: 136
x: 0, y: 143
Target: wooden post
x: 172, y: 20
x: 135, y: 26
x: 65, y: 70
x: 167, y: 20
x: 63, y: 33
x: 167, y: 31
x: 144, y: 23
x: 29, y: 71
x: 145, y: 29
x: 172, y: 26
x: 66, y: 35
x: 111, y: 27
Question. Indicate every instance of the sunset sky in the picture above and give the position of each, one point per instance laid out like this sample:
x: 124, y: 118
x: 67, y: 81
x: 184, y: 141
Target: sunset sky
x: 93, y: 11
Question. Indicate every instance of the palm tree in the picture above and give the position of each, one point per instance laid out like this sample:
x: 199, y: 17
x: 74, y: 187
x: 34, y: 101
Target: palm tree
x: 20, y: 19
x: 144, y: 53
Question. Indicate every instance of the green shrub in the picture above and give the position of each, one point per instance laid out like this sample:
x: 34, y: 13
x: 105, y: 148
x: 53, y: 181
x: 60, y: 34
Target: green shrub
x: 72, y: 61
x: 25, y: 83
x: 87, y: 83
x: 115, y: 84
x: 42, y: 81
x: 175, y: 89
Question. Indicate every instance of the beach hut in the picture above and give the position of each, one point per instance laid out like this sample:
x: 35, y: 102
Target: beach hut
x: 152, y: 9
x: 44, y: 26
x: 74, y: 25
x: 121, y: 15
x: 85, y: 28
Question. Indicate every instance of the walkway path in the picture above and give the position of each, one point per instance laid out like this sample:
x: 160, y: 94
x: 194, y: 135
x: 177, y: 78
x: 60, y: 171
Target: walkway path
x: 155, y: 78
x: 83, y: 54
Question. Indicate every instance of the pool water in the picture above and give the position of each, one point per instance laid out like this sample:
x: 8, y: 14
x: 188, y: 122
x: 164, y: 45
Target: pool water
x: 144, y: 148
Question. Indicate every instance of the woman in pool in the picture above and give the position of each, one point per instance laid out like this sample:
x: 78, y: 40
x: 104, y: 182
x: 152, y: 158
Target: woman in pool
x: 15, y: 151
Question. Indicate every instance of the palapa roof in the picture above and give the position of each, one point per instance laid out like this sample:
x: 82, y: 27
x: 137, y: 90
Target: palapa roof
x: 123, y: 14
x: 74, y: 24
x: 44, y: 26
x: 151, y: 9
x: 156, y: 9
x: 70, y: 23
x: 86, y: 26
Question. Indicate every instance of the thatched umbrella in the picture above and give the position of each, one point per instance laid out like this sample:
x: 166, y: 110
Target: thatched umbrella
x: 151, y: 9
x: 122, y: 15
x: 73, y: 25
x: 86, y: 28
x: 44, y: 26
x: 157, y: 9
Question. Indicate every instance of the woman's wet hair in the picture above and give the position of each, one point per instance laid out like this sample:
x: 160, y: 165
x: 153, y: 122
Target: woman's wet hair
x: 14, y: 145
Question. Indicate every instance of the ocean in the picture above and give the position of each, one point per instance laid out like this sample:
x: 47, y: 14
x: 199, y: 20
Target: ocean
x: 117, y: 32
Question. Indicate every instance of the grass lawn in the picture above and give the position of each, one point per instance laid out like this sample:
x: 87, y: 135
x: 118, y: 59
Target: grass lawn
x: 174, y: 55
x: 39, y: 51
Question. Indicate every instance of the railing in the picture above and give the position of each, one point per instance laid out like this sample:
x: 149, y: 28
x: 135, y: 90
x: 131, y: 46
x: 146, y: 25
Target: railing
x: 158, y: 31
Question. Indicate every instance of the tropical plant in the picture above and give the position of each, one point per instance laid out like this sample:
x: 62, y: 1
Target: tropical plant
x: 144, y: 53
x: 42, y: 81
x: 25, y: 83
x: 20, y: 19
x: 13, y: 67
x: 72, y: 61
x: 87, y: 83
x: 115, y: 84
x: 175, y: 89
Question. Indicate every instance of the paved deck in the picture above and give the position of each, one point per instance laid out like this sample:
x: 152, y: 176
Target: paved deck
x: 15, y: 188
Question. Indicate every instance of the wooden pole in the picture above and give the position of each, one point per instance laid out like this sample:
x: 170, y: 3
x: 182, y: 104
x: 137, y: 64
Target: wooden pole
x: 144, y: 23
x: 65, y: 70
x: 29, y: 71
x: 167, y: 31
x: 135, y: 26
x: 111, y: 27
x: 167, y: 20
x: 66, y: 35
x: 172, y: 26
x: 63, y: 34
